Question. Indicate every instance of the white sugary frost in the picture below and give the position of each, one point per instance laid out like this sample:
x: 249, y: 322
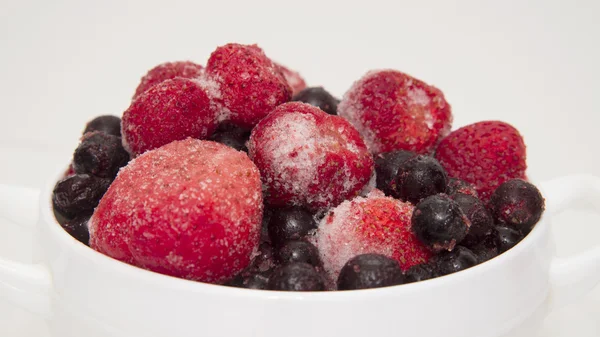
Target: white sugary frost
x: 212, y: 87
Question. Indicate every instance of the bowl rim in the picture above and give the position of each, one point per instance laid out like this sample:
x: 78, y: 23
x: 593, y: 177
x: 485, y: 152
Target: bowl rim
x: 172, y: 282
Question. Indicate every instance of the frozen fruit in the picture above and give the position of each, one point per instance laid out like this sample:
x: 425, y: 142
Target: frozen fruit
x: 309, y: 158
x: 190, y: 209
x: 370, y: 271
x: 376, y: 224
x: 172, y: 110
x: 419, y: 177
x: 290, y: 223
x: 386, y: 167
x: 506, y: 238
x: 108, y: 124
x: 420, y: 272
x: 460, y: 258
x: 456, y: 185
x: 394, y: 111
x: 249, y: 84
x: 78, y: 194
x: 518, y: 204
x: 439, y: 222
x: 293, y: 78
x: 485, y: 154
x: 297, y: 276
x: 167, y: 71
x: 231, y: 136
x: 481, y: 220
x: 319, y: 97
x: 100, y: 154
x: 298, y: 251
x: 77, y: 227
x: 264, y: 259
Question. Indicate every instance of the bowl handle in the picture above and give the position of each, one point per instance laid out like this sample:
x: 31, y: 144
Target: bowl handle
x: 575, y: 276
x: 24, y: 284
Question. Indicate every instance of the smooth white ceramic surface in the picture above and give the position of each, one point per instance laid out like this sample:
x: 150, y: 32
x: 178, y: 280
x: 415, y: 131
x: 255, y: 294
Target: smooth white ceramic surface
x: 79, y: 291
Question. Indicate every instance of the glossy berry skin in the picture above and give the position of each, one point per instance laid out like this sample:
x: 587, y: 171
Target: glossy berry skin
x: 456, y: 185
x: 319, y: 97
x: 420, y: 272
x: 76, y: 227
x: 298, y: 251
x: 100, y: 154
x: 518, y: 204
x: 296, y: 277
x: 291, y: 223
x: 481, y: 220
x: 369, y: 271
x: 231, y: 136
x: 487, y: 249
x: 108, y: 124
x: 418, y: 178
x: 460, y: 258
x: 439, y: 223
x: 78, y: 194
x: 386, y: 168
x: 506, y: 238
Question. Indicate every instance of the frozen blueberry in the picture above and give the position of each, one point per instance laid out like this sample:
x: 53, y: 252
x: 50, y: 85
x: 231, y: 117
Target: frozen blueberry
x: 297, y: 276
x: 456, y: 185
x: 370, y: 271
x: 265, y: 259
x: 506, y: 238
x: 251, y: 281
x: 439, y: 223
x: 420, y: 272
x: 298, y: 251
x: 518, y: 204
x: 419, y: 177
x: 386, y: 168
x: 100, y: 154
x: 78, y: 228
x: 486, y: 249
x: 319, y: 97
x: 78, y: 194
x: 231, y: 136
x: 108, y: 124
x: 481, y: 220
x: 290, y: 223
x: 460, y: 258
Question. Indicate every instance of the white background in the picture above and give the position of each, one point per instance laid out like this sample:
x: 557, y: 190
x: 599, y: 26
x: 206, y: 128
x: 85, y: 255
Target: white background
x: 534, y: 64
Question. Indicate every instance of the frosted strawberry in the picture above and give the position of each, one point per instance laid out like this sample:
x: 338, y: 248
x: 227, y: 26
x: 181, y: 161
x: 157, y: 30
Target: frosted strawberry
x: 167, y: 71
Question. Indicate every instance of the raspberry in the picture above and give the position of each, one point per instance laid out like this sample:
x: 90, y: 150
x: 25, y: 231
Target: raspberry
x: 375, y: 224
x: 172, y: 110
x: 167, y: 71
x: 309, y: 158
x: 249, y: 84
x: 485, y: 154
x: 394, y: 111
x: 293, y: 78
x: 190, y: 209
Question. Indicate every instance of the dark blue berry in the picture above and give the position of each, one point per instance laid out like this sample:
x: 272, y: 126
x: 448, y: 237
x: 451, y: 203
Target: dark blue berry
x: 481, y: 220
x: 460, y: 258
x: 78, y: 194
x: 265, y: 259
x: 76, y: 227
x: 518, y: 204
x: 486, y: 249
x: 298, y: 251
x: 110, y: 125
x: 419, y: 177
x: 251, y: 281
x: 506, y: 238
x: 370, y: 271
x: 439, y: 223
x: 231, y: 136
x: 420, y: 272
x: 319, y: 97
x: 386, y: 168
x: 100, y: 154
x: 297, y: 276
x: 291, y: 223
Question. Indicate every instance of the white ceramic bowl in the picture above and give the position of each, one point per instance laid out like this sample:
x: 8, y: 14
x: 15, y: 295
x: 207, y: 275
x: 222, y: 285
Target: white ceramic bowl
x: 83, y: 293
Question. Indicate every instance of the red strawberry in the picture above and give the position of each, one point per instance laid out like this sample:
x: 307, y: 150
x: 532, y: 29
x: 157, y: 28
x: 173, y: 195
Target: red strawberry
x: 293, y: 78
x: 167, y: 71
x: 375, y: 224
x: 485, y: 154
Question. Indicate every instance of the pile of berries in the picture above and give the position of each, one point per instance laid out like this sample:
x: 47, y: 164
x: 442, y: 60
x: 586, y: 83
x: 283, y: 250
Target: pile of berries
x: 238, y: 174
